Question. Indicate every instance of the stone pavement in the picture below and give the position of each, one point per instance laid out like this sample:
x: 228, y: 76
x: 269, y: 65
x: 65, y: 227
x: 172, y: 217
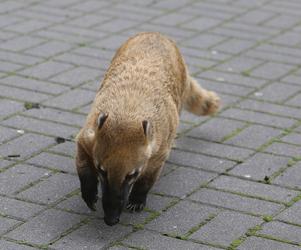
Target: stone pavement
x: 233, y: 181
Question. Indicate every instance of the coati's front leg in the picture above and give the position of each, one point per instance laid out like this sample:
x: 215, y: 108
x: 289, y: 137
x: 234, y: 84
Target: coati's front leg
x: 138, y: 195
x: 87, y: 176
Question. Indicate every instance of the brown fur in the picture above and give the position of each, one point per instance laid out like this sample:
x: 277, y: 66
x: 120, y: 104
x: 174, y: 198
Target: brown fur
x: 147, y: 80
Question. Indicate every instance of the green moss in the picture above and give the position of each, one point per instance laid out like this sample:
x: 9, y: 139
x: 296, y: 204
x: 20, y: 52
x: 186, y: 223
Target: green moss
x: 31, y: 105
x: 246, y: 73
x: 267, y: 218
x: 138, y: 227
x: 252, y: 231
x: 294, y: 200
x: 235, y: 244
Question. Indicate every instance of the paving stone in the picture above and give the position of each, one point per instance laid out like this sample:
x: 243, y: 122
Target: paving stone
x: 277, y: 92
x: 181, y: 217
x: 45, y: 227
x: 256, y: 16
x: 157, y: 202
x: 256, y: 117
x: 290, y: 177
x: 293, y: 138
x: 5, y: 164
x: 72, y: 99
x: 9, y: 67
x: 112, y: 42
x: 89, y: 20
x: 94, y: 235
x: 7, y: 134
x: 35, y: 85
x: 295, y: 79
x: 28, y: 26
x: 49, y: 49
x: 18, y: 209
x: 199, y: 161
x: 9, y: 107
x: 288, y: 38
x: 34, y: 125
x: 291, y: 214
x: 117, y: 25
x: 151, y: 240
x: 204, y: 41
x: 8, y: 245
x: 264, y: 191
x: 214, y: 149
x: 172, y: 19
x: 7, y: 224
x: 236, y: 202
x: 19, y: 58
x: 57, y: 116
x: 57, y: 162
x: 25, y: 145
x: 295, y: 101
x: 256, y: 243
x: 254, y: 136
x: 282, y: 21
x: 225, y: 227
x: 201, y: 23
x: 234, y: 46
x: 21, y: 94
x: 21, y: 43
x: 216, y: 129
x: 51, y: 189
x: 270, y: 108
x: 77, y: 76
x: 182, y: 181
x: 46, y: 69
x: 282, y: 231
x: 67, y: 148
x: 21, y: 176
x: 259, y: 166
x: 284, y: 149
x: 272, y: 70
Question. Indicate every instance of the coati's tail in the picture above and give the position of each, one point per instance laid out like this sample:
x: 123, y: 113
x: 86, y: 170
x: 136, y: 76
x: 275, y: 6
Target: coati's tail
x: 200, y: 101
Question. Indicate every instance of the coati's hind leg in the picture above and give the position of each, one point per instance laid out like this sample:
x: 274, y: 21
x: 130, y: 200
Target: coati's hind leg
x: 198, y: 100
x: 138, y: 195
x: 88, y: 178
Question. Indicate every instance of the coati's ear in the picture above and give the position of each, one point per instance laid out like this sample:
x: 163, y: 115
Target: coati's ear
x: 146, y: 128
x: 101, y: 119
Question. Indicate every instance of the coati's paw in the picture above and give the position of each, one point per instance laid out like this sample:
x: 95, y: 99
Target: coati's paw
x: 136, y: 203
x: 90, y: 200
x: 211, y: 103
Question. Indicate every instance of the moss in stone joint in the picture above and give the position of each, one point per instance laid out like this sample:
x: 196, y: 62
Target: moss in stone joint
x: 267, y: 218
x: 235, y: 243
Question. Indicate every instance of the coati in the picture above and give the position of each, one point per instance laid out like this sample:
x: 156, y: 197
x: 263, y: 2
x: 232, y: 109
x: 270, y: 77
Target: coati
x: 130, y: 129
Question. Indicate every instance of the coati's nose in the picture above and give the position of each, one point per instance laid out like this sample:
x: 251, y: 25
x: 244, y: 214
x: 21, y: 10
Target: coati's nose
x: 111, y: 221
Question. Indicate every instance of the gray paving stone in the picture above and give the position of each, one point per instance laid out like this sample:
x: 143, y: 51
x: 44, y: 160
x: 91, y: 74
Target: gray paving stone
x: 272, y: 70
x: 295, y: 79
x: 256, y: 117
x: 295, y: 101
x: 9, y: 67
x: 45, y: 227
x: 51, y: 189
x: 21, y: 94
x: 5, y: 164
x: 49, y: 49
x: 35, y: 85
x: 291, y: 214
x: 270, y: 108
x: 288, y: 38
x: 87, y: 21
x: 254, y: 136
x: 57, y: 162
x: 293, y: 138
x: 277, y: 92
x: 282, y: 231
x: 111, y: 43
x: 256, y: 243
x: 182, y: 181
x: 28, y: 26
x: 290, y: 177
x: 153, y: 241
x: 18, y: 209
x: 201, y: 23
x: 172, y: 19
x: 256, y: 16
x: 34, y: 125
x: 236, y: 202
x: 259, y: 166
x: 216, y: 129
x: 7, y: 245
x: 21, y: 176
x: 214, y: 149
x: 25, y: 145
x: 282, y: 21
x: 284, y: 149
x: 77, y: 76
x: 67, y: 148
x: 234, y: 46
x: 94, y: 235
x: 203, y: 41
x: 225, y: 227
x: 72, y: 99
x: 181, y: 217
x: 57, y: 116
x: 261, y: 190
x: 21, y: 43
x: 7, y: 134
x: 19, y: 58
x: 9, y: 107
x: 157, y: 202
x: 7, y: 224
x: 199, y: 161
x: 46, y: 69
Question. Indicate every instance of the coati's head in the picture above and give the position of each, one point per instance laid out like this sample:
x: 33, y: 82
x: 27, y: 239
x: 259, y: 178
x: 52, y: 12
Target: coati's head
x: 122, y: 149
